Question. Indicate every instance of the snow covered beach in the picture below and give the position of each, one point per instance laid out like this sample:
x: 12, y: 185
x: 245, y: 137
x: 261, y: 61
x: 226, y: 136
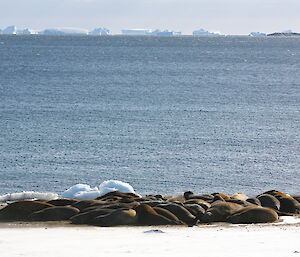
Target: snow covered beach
x: 55, y: 239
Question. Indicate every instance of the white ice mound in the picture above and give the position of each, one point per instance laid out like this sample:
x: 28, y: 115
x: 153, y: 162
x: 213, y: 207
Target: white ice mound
x: 85, y: 192
x: 115, y: 185
x: 81, y: 192
x: 28, y: 195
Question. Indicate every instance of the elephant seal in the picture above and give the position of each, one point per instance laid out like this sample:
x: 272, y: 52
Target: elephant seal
x: 225, y: 197
x: 83, y: 204
x: 195, y: 210
x: 276, y: 193
x: 180, y: 212
x: 254, y: 201
x: 116, y: 218
x: 220, y: 211
x: 63, y: 201
x: 116, y: 195
x: 270, y: 201
x: 190, y: 195
x: 289, y: 205
x: 205, y: 205
x: 55, y: 213
x: 250, y: 215
x: 148, y: 216
x: 239, y: 196
x: 20, y: 210
x: 88, y: 217
x: 240, y: 202
x: 167, y: 214
x: 297, y: 198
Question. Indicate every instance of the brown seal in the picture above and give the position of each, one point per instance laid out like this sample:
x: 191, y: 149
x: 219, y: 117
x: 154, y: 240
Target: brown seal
x: 167, y: 214
x: 55, y: 213
x: 117, y: 218
x: 180, y: 212
x: 253, y: 215
x: 270, y: 201
x: 88, y: 217
x: 21, y: 210
x: 148, y: 216
x: 289, y: 205
x: 63, y: 201
x: 220, y: 211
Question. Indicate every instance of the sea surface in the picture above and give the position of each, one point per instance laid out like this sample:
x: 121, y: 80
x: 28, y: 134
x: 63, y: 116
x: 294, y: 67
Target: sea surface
x: 165, y: 114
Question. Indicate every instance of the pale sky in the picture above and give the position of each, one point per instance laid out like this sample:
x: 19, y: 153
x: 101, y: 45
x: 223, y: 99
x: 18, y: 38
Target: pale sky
x: 226, y: 16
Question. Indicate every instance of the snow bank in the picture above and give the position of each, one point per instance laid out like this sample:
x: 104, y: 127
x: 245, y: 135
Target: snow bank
x: 28, y: 195
x: 115, y: 185
x: 85, y: 192
x: 246, y: 241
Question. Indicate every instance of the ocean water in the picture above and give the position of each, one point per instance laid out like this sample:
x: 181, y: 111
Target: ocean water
x: 165, y: 114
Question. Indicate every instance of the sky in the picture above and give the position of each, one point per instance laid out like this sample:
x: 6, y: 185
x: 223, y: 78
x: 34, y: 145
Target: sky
x: 226, y: 16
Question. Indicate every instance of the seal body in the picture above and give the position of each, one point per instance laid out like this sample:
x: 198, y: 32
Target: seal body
x: 253, y: 215
x: 21, y: 210
x: 117, y: 218
x: 148, y: 216
x: 220, y: 211
x: 55, y: 213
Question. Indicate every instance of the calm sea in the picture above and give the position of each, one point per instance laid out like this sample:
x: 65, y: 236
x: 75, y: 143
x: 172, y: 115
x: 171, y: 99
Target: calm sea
x: 165, y: 114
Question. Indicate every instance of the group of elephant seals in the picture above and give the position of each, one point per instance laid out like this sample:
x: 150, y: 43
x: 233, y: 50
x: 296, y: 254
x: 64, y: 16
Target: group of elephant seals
x: 119, y: 209
x: 21, y: 210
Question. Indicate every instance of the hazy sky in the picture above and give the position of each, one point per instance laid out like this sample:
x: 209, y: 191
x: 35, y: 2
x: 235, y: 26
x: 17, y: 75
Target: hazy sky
x: 226, y: 16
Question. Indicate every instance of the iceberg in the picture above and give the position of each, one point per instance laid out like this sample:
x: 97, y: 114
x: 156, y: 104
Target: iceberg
x: 203, y: 32
x: 99, y: 31
x: 257, y: 34
x: 166, y: 32
x: 10, y: 30
x: 64, y: 31
x: 28, y: 195
x: 136, y: 31
x: 26, y: 31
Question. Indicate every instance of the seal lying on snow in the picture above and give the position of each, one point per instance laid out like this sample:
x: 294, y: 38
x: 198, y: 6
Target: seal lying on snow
x: 117, y: 218
x: 148, y: 216
x: 251, y: 214
x: 220, y: 211
x: 21, y: 210
x: 55, y: 213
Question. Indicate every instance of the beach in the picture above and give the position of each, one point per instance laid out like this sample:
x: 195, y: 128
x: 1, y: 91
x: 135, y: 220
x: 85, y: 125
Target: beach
x: 45, y: 239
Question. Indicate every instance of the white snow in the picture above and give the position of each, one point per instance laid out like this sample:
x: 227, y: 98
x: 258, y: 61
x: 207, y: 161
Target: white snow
x: 115, y: 185
x: 212, y: 241
x: 28, y: 195
x: 85, y: 192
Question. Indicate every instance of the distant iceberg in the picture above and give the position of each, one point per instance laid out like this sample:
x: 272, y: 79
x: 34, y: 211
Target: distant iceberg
x: 26, y: 32
x: 257, y: 34
x: 64, y: 31
x: 99, y: 31
x: 203, y: 32
x: 136, y: 31
x: 166, y: 32
x: 10, y: 30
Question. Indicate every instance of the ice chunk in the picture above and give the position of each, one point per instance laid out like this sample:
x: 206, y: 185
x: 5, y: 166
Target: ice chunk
x: 115, y: 185
x: 28, y: 195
